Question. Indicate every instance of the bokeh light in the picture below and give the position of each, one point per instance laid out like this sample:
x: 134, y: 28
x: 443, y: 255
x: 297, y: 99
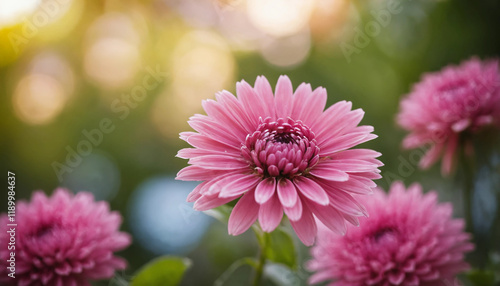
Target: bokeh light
x: 52, y: 64
x: 38, y: 99
x: 161, y: 219
x: 12, y: 12
x: 44, y: 90
x: 112, y: 58
x: 201, y: 65
x: 329, y: 18
x: 286, y: 51
x: 280, y: 17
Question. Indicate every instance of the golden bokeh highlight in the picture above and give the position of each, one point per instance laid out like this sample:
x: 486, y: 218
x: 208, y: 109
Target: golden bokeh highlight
x: 201, y: 65
x: 280, y: 17
x: 286, y: 51
x: 112, y: 57
x: 38, y: 99
x: 12, y: 12
x: 329, y: 18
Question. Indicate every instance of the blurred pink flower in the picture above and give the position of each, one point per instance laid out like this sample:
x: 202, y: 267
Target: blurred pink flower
x: 280, y: 154
x: 409, y: 239
x: 448, y: 103
x: 62, y: 240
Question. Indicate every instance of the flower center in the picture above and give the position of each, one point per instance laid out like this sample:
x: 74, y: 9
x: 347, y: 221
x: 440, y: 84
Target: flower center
x: 43, y: 231
x: 281, y: 148
x: 385, y: 235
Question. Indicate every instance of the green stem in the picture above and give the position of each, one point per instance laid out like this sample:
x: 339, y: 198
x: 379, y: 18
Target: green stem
x: 262, y: 238
x: 237, y: 264
x: 466, y: 179
x: 469, y: 185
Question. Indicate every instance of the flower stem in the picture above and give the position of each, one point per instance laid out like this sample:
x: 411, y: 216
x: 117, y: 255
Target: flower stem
x: 468, y: 190
x: 466, y: 179
x: 262, y: 238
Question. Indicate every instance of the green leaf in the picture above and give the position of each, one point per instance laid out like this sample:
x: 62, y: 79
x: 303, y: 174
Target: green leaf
x: 481, y: 277
x: 163, y: 271
x: 281, y: 275
x: 235, y: 266
x: 280, y: 248
x: 220, y: 213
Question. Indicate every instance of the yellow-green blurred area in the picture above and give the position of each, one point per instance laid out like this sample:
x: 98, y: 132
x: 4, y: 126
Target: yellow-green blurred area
x: 95, y: 93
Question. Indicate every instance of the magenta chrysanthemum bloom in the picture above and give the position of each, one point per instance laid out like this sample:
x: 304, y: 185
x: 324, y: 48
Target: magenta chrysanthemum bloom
x: 280, y: 154
x: 62, y: 240
x: 448, y: 103
x: 409, y: 239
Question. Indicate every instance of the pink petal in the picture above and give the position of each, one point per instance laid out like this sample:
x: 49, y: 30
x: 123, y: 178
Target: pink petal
x: 431, y: 156
x: 320, y: 276
x: 185, y: 135
x: 195, y: 173
x: 343, y: 201
x: 294, y: 213
x: 218, y: 162
x: 287, y: 193
x: 283, y: 96
x: 249, y: 99
x: 348, y: 124
x: 322, y: 170
x: 349, y: 165
x: 236, y: 185
x: 352, y: 186
x: 351, y: 219
x: 305, y: 227
x: 299, y: 97
x: 265, y: 190
x: 461, y: 125
x: 266, y: 96
x: 332, y: 116
x: 195, y: 194
x: 207, y: 202
x: 270, y: 214
x: 311, y: 190
x: 484, y: 120
x: 362, y: 154
x: 415, y: 140
x: 329, y: 216
x: 221, y: 114
x: 204, y: 142
x: 234, y: 107
x: 313, y: 110
x: 396, y: 278
x: 349, y: 140
x: 244, y: 214
x: 207, y: 126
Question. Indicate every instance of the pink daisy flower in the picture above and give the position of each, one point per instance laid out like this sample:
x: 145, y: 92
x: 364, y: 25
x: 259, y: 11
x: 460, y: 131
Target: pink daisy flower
x: 280, y: 154
x: 449, y: 103
x: 62, y: 240
x: 409, y: 239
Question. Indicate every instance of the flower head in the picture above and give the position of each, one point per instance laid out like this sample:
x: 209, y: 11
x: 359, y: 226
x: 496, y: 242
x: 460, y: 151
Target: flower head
x: 449, y: 103
x: 62, y: 240
x: 409, y: 239
x: 278, y: 154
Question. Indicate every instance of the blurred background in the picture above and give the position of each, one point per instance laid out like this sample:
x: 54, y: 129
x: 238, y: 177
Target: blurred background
x: 95, y: 93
